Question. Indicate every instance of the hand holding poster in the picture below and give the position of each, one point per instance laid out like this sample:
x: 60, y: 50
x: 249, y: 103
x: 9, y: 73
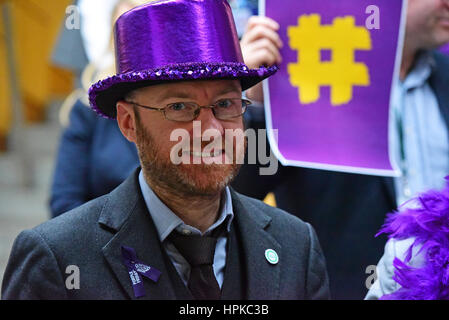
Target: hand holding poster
x: 330, y: 99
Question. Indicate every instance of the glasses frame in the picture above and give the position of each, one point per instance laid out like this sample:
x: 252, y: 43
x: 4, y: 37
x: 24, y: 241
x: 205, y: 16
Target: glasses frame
x: 196, y: 112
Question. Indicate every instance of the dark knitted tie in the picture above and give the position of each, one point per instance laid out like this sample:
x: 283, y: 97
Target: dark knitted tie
x: 199, y: 253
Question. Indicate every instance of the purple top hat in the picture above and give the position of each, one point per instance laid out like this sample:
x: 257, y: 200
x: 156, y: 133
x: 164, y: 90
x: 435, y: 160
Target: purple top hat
x: 174, y: 40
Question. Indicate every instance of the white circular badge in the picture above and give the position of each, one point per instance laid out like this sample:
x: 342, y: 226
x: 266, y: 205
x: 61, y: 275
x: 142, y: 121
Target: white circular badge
x: 271, y: 256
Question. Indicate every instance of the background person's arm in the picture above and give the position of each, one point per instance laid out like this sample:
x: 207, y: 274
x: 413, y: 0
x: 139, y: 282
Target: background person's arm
x: 70, y: 187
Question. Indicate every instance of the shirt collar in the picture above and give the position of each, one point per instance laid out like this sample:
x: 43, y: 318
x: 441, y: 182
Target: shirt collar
x: 421, y: 72
x: 166, y: 220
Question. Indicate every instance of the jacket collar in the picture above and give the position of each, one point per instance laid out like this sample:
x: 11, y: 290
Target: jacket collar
x: 166, y: 220
x: 126, y: 214
x: 253, y: 223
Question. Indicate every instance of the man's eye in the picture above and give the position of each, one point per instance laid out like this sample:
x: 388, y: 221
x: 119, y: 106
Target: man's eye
x: 178, y: 106
x: 225, y: 103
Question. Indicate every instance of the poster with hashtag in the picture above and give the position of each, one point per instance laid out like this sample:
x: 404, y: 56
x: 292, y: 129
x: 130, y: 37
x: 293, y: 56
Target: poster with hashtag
x: 330, y: 99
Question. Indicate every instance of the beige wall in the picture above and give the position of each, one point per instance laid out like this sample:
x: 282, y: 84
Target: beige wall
x: 36, y: 25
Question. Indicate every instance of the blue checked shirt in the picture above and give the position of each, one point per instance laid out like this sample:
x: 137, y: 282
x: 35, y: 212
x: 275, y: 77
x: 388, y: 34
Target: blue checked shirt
x: 420, y: 141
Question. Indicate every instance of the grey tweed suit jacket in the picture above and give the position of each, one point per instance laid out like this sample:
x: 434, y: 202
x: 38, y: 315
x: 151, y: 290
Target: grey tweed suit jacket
x: 90, y: 237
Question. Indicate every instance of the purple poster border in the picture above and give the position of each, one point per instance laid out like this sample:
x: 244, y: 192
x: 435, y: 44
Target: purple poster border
x: 392, y: 170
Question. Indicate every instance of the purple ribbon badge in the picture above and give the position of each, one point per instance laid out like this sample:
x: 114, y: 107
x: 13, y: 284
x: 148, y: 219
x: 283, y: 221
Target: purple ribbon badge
x: 136, y: 268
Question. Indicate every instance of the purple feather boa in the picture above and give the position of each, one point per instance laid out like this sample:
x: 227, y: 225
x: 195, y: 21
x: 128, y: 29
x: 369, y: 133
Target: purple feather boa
x: 428, y: 223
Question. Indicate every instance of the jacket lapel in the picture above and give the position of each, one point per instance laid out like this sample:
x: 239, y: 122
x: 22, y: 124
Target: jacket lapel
x: 126, y: 214
x: 263, y: 277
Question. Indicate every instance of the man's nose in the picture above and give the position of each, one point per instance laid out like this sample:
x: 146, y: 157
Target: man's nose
x: 208, y: 121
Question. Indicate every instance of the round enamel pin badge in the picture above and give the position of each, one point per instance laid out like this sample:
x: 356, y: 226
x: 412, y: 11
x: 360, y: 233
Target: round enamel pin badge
x: 271, y: 256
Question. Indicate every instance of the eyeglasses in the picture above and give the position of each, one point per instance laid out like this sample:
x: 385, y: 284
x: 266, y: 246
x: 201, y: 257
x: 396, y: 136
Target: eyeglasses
x: 223, y: 109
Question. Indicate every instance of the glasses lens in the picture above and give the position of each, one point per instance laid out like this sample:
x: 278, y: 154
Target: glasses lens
x: 229, y: 108
x: 180, y: 111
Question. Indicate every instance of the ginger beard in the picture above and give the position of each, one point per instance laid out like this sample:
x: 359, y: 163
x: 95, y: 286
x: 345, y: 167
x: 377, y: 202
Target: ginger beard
x: 186, y: 179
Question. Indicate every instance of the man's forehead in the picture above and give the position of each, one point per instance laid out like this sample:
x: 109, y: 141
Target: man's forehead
x: 191, y: 89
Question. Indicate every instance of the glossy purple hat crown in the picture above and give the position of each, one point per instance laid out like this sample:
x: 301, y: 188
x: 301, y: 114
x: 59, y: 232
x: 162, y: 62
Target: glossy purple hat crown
x: 174, y: 40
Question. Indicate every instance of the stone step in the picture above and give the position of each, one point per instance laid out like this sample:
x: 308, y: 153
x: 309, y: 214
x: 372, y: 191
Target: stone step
x: 19, y: 210
x: 25, y: 207
x: 33, y: 162
x: 14, y: 172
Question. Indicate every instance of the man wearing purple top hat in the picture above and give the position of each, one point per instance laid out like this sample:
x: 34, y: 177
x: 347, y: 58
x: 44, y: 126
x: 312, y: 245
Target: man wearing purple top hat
x: 172, y: 230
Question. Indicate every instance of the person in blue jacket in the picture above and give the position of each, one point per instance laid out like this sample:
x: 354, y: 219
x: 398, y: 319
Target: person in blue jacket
x: 93, y: 158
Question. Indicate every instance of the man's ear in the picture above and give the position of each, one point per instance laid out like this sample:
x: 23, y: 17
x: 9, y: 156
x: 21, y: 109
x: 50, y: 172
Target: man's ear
x: 126, y: 120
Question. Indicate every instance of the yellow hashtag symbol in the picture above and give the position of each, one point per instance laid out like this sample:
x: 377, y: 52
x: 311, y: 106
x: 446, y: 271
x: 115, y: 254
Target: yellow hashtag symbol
x: 341, y: 73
